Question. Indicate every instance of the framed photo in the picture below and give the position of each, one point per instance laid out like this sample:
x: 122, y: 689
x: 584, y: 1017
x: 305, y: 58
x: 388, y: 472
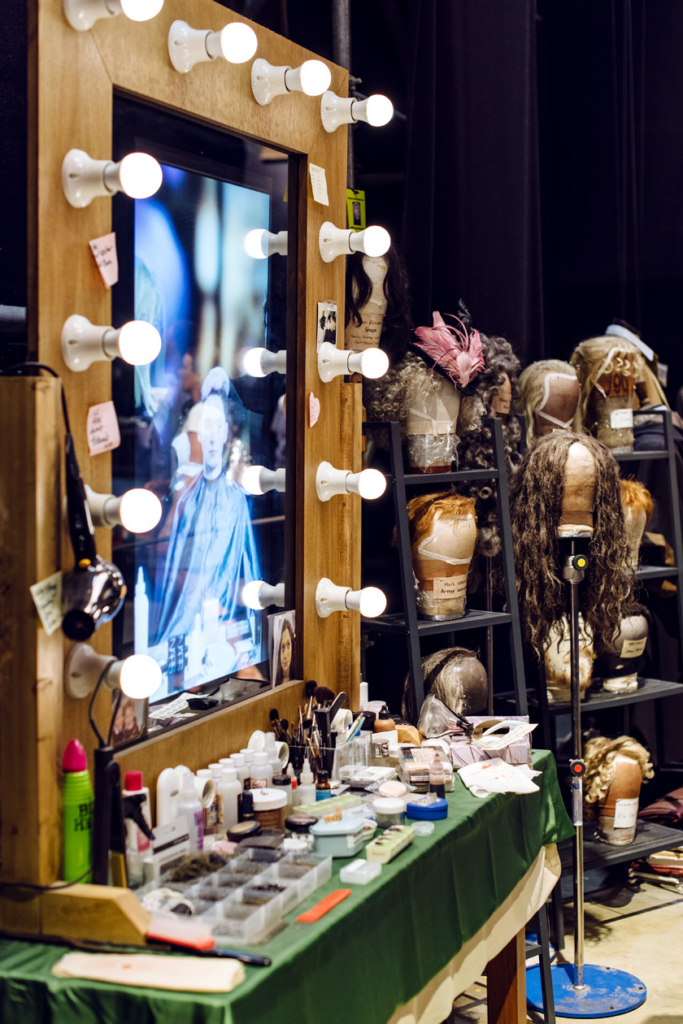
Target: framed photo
x: 327, y: 323
x: 282, y: 632
x: 130, y: 721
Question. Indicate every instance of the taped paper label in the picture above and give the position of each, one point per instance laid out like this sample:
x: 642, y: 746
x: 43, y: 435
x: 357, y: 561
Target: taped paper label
x: 102, y: 428
x: 577, y: 802
x: 621, y: 419
x: 633, y: 648
x: 104, y: 251
x: 625, y: 813
x: 319, y: 184
x: 365, y: 335
x: 616, y: 384
x: 47, y: 597
x: 448, y: 587
x: 662, y: 373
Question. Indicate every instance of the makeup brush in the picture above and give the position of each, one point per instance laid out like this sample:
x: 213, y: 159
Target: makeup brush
x: 276, y: 724
x: 284, y: 731
x: 324, y: 695
x: 311, y: 687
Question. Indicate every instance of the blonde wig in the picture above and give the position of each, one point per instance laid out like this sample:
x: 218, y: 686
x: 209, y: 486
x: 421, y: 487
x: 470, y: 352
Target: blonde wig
x: 597, y: 356
x: 600, y: 755
x: 531, y: 385
x: 424, y: 509
x: 636, y: 496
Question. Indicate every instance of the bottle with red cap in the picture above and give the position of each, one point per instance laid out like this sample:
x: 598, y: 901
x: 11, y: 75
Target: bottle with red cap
x: 77, y: 796
x: 137, y: 843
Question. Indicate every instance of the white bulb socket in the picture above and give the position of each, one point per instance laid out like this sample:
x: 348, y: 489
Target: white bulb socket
x: 335, y: 362
x: 369, y: 483
x: 83, y: 343
x: 258, y: 595
x: 138, y: 510
x: 188, y: 46
x: 370, y: 601
x: 139, y: 175
x: 260, y: 244
x: 333, y: 241
x: 138, y: 677
x: 257, y: 479
x: 338, y: 110
x: 82, y: 14
x: 313, y: 77
x: 259, y: 362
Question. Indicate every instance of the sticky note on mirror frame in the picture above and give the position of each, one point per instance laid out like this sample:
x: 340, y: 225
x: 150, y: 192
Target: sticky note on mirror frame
x: 47, y: 597
x: 106, y: 258
x: 319, y: 184
x: 102, y: 428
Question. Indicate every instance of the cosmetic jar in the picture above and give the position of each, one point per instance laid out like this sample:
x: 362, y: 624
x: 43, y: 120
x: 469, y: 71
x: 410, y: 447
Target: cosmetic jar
x: 427, y: 808
x: 300, y: 824
x: 243, y: 830
x: 269, y: 807
x: 389, y: 810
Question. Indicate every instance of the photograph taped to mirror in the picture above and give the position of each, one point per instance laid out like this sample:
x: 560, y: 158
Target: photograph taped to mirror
x: 199, y: 422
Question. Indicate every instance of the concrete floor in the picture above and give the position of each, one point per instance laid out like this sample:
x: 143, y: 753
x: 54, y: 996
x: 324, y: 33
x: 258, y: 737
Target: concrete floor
x: 641, y: 933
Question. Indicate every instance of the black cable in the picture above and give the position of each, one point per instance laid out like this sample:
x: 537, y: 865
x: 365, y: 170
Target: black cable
x: 44, y: 888
x: 93, y: 723
x: 42, y: 366
x: 117, y: 704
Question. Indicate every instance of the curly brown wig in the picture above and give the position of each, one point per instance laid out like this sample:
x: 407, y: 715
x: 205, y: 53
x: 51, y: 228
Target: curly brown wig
x: 536, y: 505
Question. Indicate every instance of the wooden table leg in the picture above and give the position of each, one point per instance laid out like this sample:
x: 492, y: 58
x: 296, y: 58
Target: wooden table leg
x: 506, y: 984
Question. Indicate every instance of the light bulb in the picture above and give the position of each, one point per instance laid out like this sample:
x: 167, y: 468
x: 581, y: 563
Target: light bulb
x: 371, y: 484
x: 140, y: 510
x: 139, y: 342
x: 372, y: 602
x: 140, y: 174
x: 379, y: 110
x: 253, y: 244
x: 141, y: 10
x: 337, y: 110
x: 329, y: 598
x: 257, y: 479
x: 258, y: 595
x: 374, y: 363
x: 251, y: 479
x: 333, y: 241
x: 251, y: 362
x: 376, y: 241
x: 238, y: 42
x: 258, y: 362
x: 140, y: 676
x: 315, y: 77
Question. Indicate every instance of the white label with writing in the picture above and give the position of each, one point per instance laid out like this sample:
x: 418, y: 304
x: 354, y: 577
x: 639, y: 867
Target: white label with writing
x: 621, y: 419
x: 633, y: 648
x: 448, y: 587
x: 625, y: 813
x: 319, y: 184
x: 577, y: 801
x: 365, y: 335
x: 102, y: 428
x: 662, y: 373
x: 104, y: 251
x: 47, y: 597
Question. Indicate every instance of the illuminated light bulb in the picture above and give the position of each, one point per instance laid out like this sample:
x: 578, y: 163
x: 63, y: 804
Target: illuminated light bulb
x: 138, y: 510
x: 140, y: 676
x: 83, y: 343
x: 269, y: 81
x: 82, y: 14
x: 257, y: 479
x: 369, y: 483
x: 333, y: 241
x: 337, y: 110
x: 139, y: 175
x: 329, y: 598
x: 335, y: 362
x: 187, y: 46
x: 258, y: 595
x: 260, y: 244
x: 259, y: 362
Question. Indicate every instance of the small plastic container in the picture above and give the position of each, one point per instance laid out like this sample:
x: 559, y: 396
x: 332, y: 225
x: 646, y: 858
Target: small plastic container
x: 389, y: 810
x: 427, y: 808
x: 269, y: 807
x: 343, y: 838
x: 360, y: 872
x: 245, y: 922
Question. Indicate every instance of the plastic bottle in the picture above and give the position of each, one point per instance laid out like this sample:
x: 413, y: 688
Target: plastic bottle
x: 229, y: 791
x: 216, y: 770
x: 210, y: 804
x: 306, y: 789
x: 189, y: 805
x: 137, y: 844
x: 243, y: 770
x: 271, y: 751
x: 261, y: 771
x: 168, y: 789
x: 282, y: 781
x: 78, y: 813
x: 248, y: 756
x: 322, y: 788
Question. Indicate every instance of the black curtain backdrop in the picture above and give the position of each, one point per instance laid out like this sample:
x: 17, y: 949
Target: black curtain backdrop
x: 471, y: 219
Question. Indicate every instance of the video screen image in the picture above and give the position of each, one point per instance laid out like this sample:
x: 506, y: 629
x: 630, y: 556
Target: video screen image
x: 199, y: 421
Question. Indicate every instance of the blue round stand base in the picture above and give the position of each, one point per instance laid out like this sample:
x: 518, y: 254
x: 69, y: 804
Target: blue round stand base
x: 607, y: 992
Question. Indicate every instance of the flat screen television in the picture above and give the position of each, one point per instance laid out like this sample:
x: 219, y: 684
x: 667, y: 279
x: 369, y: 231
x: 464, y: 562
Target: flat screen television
x: 192, y: 421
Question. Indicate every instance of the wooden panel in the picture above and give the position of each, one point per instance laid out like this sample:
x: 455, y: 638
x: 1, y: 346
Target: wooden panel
x: 506, y: 984
x: 95, y: 912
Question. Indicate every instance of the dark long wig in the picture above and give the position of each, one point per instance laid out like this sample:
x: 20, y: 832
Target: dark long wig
x: 536, y: 505
x: 398, y: 322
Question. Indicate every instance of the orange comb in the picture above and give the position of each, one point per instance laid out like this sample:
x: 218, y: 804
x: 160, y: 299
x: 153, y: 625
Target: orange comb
x: 324, y: 907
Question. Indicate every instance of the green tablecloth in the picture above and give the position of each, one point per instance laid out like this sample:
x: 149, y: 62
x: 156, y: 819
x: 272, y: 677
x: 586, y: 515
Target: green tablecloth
x: 371, y: 954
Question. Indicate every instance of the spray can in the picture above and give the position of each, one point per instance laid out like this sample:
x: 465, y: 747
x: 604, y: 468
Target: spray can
x: 78, y: 802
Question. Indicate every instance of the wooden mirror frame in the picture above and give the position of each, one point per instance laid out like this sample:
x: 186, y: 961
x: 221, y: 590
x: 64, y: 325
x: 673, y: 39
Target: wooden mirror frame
x: 72, y: 79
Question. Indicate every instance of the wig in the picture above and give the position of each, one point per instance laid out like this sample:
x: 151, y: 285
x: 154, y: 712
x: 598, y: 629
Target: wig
x: 536, y: 491
x: 454, y: 675
x: 398, y: 323
x: 424, y: 509
x: 531, y: 390
x: 598, y: 356
x: 635, y: 498
x: 600, y: 755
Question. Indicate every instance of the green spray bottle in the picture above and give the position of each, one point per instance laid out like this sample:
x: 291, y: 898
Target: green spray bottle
x: 78, y: 814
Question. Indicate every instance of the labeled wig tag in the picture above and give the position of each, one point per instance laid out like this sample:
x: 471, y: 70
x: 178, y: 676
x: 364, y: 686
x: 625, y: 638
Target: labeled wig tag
x: 47, y: 597
x: 621, y: 419
x: 625, y: 813
x: 313, y: 410
x: 104, y: 251
x: 102, y: 428
x: 448, y: 587
x: 633, y: 648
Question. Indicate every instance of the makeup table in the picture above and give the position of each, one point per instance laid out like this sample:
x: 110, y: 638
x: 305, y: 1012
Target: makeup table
x: 397, y: 951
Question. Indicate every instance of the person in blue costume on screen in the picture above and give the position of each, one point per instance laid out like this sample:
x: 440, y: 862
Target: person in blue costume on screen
x: 211, y: 549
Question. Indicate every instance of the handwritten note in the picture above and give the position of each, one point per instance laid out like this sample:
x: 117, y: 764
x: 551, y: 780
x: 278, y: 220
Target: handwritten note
x: 448, y: 587
x: 104, y: 251
x: 47, y: 597
x: 319, y: 184
x: 102, y: 428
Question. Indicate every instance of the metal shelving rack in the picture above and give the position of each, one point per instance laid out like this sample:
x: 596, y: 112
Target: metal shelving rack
x: 407, y: 624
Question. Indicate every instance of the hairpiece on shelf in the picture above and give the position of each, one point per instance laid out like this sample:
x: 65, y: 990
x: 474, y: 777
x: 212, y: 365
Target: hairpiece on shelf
x: 548, y: 396
x: 454, y: 675
x: 638, y: 506
x: 456, y: 352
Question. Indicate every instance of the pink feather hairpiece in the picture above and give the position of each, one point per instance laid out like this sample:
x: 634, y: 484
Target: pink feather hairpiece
x: 457, y: 351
